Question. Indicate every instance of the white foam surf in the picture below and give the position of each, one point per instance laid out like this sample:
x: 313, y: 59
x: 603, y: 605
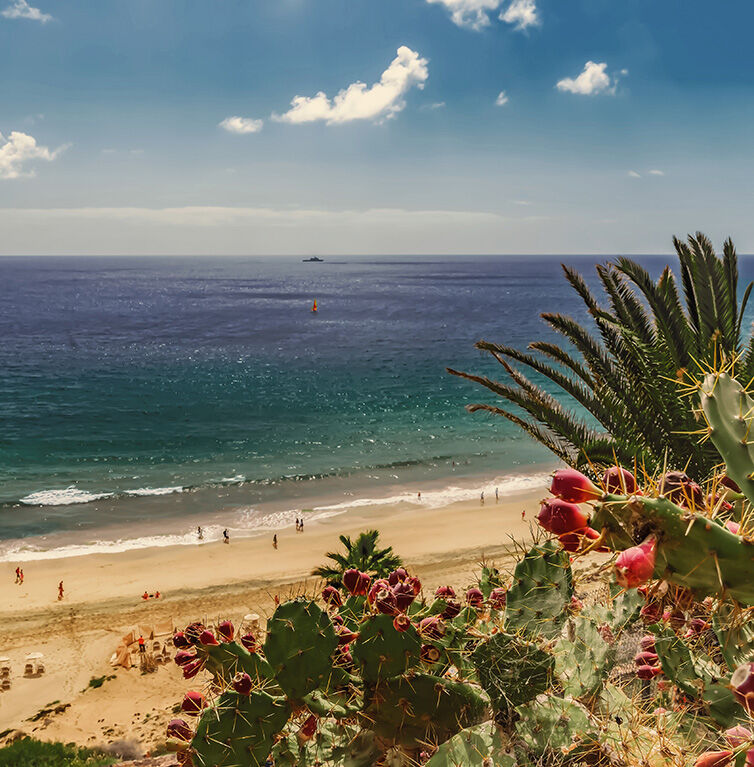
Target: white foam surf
x: 62, y: 497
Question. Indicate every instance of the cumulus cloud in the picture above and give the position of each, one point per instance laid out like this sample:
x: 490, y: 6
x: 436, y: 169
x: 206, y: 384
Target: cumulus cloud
x: 593, y: 80
x: 472, y: 14
x: 502, y: 99
x: 22, y: 10
x: 241, y: 125
x: 18, y: 150
x: 358, y: 101
x: 522, y: 14
x: 655, y: 172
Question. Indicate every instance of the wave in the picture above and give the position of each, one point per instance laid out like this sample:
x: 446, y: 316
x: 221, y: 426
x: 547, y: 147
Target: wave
x: 146, y: 491
x: 67, y: 497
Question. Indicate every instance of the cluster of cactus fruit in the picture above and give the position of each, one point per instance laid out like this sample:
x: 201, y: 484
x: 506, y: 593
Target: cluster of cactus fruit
x: 522, y: 670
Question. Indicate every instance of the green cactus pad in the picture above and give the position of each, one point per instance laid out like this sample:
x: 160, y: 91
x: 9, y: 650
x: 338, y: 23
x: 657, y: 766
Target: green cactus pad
x: 384, y: 652
x: 542, y: 588
x: 239, y: 730
x: 300, y: 640
x: 582, y: 659
x: 421, y: 708
x: 512, y: 670
x: 333, y: 744
x: 551, y: 724
x: 225, y: 660
x: 478, y: 746
x: 735, y: 633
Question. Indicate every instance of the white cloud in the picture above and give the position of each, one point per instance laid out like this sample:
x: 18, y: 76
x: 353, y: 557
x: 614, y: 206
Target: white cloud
x: 634, y: 174
x: 655, y: 172
x: 522, y: 14
x: 237, y: 124
x: 382, y: 100
x: 594, y: 79
x: 437, y: 105
x: 470, y: 13
x: 22, y: 10
x: 19, y: 149
x: 502, y: 99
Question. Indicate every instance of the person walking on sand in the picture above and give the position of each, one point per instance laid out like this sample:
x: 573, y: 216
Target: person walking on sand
x: 481, y: 499
x: 275, y: 541
x: 60, y: 591
x: 226, y: 537
x: 142, y: 646
x: 200, y: 533
x: 18, y: 575
x: 419, y: 496
x: 301, y: 525
x: 497, y: 495
x: 523, y: 513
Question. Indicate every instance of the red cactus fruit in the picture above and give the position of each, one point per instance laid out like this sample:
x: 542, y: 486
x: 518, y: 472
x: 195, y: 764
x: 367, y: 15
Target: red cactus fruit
x: 345, y: 635
x: 308, y: 728
x: 734, y: 527
x: 648, y: 672
x: 429, y: 653
x: 181, y: 641
x: 619, y: 481
x: 249, y: 642
x: 381, y: 584
x: 343, y: 655
x: 337, y: 619
x: 676, y: 618
x: 738, y: 735
x: 573, y: 486
x: 180, y: 730
x: 714, y: 759
x: 193, y: 631
x: 696, y: 626
x: 331, y: 596
x: 415, y: 584
x: 646, y: 658
x: 636, y: 565
x: 207, y: 638
x: 241, y: 683
x: 677, y: 487
x: 726, y: 481
x: 226, y: 631
x: 647, y: 643
x: 475, y: 598
x: 452, y: 609
x: 606, y: 633
x: 749, y: 758
x: 184, y: 758
x: 445, y: 592
x: 404, y: 595
x: 742, y: 685
x: 193, y: 703
x: 182, y: 657
x: 432, y: 627
x: 397, y: 576
x: 498, y: 598
x: 385, y: 602
x: 650, y: 613
x: 571, y: 542
x: 401, y: 622
x: 560, y: 517
x: 575, y: 605
x: 354, y: 581
x: 190, y: 670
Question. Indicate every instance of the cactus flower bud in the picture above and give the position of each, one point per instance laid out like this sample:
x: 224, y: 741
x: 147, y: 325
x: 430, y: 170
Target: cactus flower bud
x: 180, y: 730
x: 560, y: 517
x: 429, y: 653
x: 401, y: 622
x: 193, y: 703
x: 573, y: 486
x: 636, y: 565
x: 742, y: 685
x: 445, y: 592
x: 619, y: 481
x: 397, y: 576
x: 242, y: 683
x: 475, y: 598
x: 648, y: 672
x: 498, y: 598
x: 226, y: 631
x: 432, y: 627
x: 208, y: 638
x: 734, y: 527
x: 714, y: 759
x: 331, y: 596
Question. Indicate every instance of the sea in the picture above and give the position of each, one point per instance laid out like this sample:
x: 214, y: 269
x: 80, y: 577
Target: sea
x: 143, y: 397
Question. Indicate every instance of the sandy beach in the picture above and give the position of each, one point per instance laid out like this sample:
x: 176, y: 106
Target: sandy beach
x: 211, y: 580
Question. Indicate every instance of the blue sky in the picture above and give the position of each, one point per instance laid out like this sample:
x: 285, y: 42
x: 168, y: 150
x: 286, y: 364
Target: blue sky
x: 167, y: 127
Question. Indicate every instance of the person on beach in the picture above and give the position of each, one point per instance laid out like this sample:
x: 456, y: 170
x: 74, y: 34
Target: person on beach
x: 497, y: 496
x: 142, y: 646
x: 523, y: 513
x: 60, y: 591
x: 419, y: 495
x: 17, y: 575
x: 481, y: 499
x: 301, y: 525
x: 200, y: 533
x: 275, y: 541
x: 297, y: 524
x: 156, y: 594
x: 20, y: 576
x: 226, y: 537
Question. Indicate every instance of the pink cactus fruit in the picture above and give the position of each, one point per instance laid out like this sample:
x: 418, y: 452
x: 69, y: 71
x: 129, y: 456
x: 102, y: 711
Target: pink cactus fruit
x: 429, y: 653
x: 573, y: 486
x: 647, y: 643
x: 415, y: 584
x: 696, y: 627
x: 193, y: 703
x: 742, y: 685
x: 571, y: 542
x: 498, y: 598
x: 445, y: 592
x: 452, y: 609
x: 193, y: 631
x: 714, y: 759
x: 181, y: 641
x: 331, y: 596
x: 308, y: 728
x: 606, y: 633
x: 184, y: 657
x: 401, y: 622
x: 734, y: 527
x: 677, y: 487
x: 619, y: 481
x: 650, y: 613
x: 675, y: 617
x: 404, y: 595
x: 345, y: 635
x: 356, y: 582
x: 242, y: 684
x: 575, y: 605
x: 249, y: 641
x: 226, y: 631
x: 385, y: 602
x: 475, y: 598
x: 432, y: 627
x: 738, y: 735
x: 560, y: 517
x: 397, y: 576
x: 343, y: 655
x: 648, y: 672
x: 646, y: 658
x: 180, y: 730
x: 636, y: 565
x: 190, y: 670
x: 208, y: 638
x: 381, y: 584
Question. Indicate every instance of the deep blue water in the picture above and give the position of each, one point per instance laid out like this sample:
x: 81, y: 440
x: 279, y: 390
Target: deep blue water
x: 124, y: 374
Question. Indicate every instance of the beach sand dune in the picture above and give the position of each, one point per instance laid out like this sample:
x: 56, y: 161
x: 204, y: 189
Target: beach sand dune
x: 205, y: 582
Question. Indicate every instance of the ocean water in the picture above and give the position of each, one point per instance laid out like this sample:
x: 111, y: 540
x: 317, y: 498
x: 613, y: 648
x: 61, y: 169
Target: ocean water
x: 142, y: 396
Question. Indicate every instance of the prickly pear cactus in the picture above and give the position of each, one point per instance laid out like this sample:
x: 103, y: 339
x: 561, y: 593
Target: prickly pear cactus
x: 479, y: 746
x: 551, y: 724
x: 582, y: 658
x: 382, y: 651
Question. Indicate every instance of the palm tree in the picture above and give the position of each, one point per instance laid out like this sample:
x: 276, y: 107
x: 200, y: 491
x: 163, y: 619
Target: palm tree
x: 362, y: 554
x: 625, y: 377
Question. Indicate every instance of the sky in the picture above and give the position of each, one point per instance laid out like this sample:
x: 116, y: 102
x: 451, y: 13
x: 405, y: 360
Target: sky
x: 266, y: 127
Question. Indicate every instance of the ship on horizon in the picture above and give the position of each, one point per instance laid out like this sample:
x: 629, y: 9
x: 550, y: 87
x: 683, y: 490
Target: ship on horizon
x: 313, y: 258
